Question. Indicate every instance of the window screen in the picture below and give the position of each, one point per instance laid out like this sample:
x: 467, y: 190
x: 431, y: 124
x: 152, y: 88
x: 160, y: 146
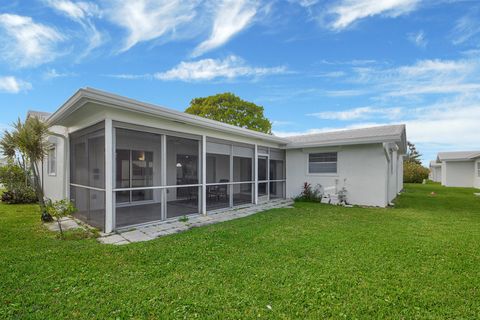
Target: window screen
x: 325, y: 162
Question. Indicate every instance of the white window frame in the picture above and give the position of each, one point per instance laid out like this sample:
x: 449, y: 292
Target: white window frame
x: 49, y: 161
x: 322, y: 173
x: 478, y: 169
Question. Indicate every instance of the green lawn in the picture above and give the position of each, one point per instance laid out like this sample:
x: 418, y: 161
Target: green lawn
x: 418, y: 260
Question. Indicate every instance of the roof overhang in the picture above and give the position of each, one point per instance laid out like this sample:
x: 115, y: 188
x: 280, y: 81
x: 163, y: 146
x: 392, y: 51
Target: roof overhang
x: 470, y: 157
x: 89, y: 95
x: 398, y: 139
x: 384, y: 139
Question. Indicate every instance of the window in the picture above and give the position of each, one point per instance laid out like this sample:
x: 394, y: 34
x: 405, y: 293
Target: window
x: 478, y: 169
x: 52, y: 161
x: 325, y: 162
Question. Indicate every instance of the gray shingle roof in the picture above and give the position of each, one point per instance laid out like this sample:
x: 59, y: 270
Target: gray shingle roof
x: 363, y: 135
x: 458, y: 155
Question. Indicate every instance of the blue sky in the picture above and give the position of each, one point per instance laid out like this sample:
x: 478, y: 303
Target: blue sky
x: 314, y: 65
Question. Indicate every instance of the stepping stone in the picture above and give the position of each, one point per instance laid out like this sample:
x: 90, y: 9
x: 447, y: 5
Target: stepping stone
x: 66, y: 225
x: 112, y: 239
x: 136, y: 236
x: 121, y: 243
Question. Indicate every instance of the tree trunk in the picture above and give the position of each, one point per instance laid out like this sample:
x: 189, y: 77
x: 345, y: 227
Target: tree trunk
x: 60, y: 227
x: 24, y: 166
x: 46, y: 217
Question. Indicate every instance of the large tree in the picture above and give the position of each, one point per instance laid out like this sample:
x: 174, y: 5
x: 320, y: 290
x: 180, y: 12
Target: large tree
x: 228, y: 108
x: 29, y: 140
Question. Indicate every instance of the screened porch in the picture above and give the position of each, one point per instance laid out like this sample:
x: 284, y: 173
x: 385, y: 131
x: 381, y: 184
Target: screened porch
x: 157, y: 174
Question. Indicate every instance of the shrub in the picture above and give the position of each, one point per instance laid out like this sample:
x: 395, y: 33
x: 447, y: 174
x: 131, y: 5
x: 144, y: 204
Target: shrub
x: 60, y: 209
x: 15, y: 180
x: 414, y: 172
x: 25, y: 194
x: 309, y: 194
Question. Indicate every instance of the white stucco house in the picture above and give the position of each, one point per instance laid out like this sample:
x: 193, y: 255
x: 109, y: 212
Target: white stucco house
x: 124, y: 162
x: 457, y: 168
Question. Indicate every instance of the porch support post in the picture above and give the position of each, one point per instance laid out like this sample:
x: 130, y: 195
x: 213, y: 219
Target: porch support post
x: 163, y: 176
x: 255, y: 173
x: 109, y: 152
x: 230, y: 186
x: 204, y: 175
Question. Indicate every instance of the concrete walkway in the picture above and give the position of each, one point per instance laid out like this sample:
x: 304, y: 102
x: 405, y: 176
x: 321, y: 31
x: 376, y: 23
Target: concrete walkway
x: 152, y: 231
x: 67, y: 223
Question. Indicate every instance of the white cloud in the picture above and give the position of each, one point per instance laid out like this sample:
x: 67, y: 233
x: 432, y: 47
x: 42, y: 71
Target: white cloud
x: 281, y: 123
x: 345, y: 93
x: 421, y: 78
x: 304, y: 3
x: 26, y: 43
x: 466, y: 28
x: 333, y: 74
x: 208, y: 69
x: 146, y: 20
x: 127, y: 76
x: 418, y: 38
x: 82, y: 13
x: 11, y: 84
x: 349, y: 11
x: 359, y: 113
x: 231, y: 17
x: 53, y: 74
x: 75, y: 10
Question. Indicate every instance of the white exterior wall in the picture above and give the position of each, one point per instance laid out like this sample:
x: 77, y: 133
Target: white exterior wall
x: 476, y: 174
x: 436, y: 173
x: 392, y: 171
x: 443, y: 177
x: 400, y: 173
x: 458, y: 173
x: 54, y: 185
x: 363, y: 166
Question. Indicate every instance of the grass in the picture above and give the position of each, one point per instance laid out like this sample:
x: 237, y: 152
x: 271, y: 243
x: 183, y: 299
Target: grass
x: 418, y: 260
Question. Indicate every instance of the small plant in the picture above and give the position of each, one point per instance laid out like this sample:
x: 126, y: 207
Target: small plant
x: 183, y: 219
x: 309, y: 194
x: 58, y: 210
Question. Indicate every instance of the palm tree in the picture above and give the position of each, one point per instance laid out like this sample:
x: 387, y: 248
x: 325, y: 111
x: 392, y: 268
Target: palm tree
x: 29, y: 139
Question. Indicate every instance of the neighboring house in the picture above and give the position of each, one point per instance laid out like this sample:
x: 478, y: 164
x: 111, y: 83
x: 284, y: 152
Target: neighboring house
x: 458, y: 168
x: 124, y: 162
x: 435, y: 171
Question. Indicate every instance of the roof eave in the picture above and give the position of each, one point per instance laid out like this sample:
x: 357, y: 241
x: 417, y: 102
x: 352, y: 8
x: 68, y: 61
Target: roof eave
x: 82, y: 96
x: 395, y: 138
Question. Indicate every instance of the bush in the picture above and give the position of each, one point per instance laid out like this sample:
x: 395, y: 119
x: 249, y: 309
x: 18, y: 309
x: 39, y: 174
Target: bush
x: 414, y: 172
x: 15, y: 181
x: 309, y: 194
x: 25, y: 194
